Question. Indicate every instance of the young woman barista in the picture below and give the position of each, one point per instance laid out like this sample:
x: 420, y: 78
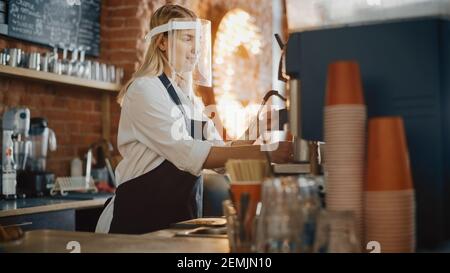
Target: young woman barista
x: 163, y: 155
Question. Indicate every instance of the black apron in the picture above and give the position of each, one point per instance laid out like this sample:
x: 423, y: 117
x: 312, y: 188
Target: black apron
x: 163, y: 196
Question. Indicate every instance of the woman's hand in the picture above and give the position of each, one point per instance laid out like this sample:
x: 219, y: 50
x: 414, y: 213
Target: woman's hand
x: 284, y: 153
x: 281, y: 152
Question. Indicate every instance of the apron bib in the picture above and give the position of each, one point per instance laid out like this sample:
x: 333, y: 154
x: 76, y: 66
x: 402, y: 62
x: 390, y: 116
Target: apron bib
x: 163, y: 196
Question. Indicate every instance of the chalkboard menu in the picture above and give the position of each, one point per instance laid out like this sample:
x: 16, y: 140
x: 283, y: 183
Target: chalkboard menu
x: 51, y: 22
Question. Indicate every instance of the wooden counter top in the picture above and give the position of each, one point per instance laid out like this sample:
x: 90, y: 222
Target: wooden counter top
x: 47, y: 204
x: 74, y: 204
x: 46, y: 241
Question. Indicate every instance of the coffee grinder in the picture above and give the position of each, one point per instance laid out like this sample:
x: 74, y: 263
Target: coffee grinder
x: 35, y: 180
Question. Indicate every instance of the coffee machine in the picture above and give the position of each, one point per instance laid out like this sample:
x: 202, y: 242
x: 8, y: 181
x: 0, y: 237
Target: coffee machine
x: 15, y: 148
x: 405, y: 65
x: 35, y: 180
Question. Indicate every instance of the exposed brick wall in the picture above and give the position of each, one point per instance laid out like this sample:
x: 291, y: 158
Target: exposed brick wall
x: 74, y: 113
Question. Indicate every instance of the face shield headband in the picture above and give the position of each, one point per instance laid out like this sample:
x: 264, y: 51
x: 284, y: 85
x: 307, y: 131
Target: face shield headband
x: 201, y: 72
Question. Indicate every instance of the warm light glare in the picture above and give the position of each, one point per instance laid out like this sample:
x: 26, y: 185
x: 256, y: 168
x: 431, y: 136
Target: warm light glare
x: 238, y: 42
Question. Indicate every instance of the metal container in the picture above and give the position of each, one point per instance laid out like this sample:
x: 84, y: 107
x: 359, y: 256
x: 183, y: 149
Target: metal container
x: 57, y: 67
x: 95, y: 71
x: 119, y: 75
x: 34, y: 61
x: 111, y: 73
x: 44, y: 62
x: 24, y: 60
x: 103, y: 73
x: 22, y: 149
x: 15, y: 56
x: 87, y: 73
x: 4, y: 57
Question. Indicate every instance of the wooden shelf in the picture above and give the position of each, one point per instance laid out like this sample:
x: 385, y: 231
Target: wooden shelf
x: 55, y: 78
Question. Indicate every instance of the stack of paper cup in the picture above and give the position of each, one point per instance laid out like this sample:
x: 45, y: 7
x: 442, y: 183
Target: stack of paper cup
x: 389, y: 196
x: 345, y: 119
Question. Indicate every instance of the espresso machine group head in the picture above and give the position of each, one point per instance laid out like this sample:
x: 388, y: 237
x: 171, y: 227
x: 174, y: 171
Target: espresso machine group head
x: 306, y: 158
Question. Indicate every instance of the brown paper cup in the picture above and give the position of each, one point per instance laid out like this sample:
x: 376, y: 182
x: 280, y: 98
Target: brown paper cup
x: 344, y: 84
x: 388, y: 167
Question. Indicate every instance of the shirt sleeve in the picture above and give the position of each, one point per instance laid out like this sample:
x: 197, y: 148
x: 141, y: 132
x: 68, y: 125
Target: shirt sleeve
x: 212, y: 134
x: 159, y: 124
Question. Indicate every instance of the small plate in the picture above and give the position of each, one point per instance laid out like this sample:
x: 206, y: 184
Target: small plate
x: 201, y: 222
x: 220, y: 232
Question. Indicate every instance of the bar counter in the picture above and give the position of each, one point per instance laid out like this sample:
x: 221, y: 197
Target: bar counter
x: 164, y: 241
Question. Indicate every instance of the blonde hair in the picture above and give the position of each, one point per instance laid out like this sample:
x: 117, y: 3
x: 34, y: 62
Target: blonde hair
x: 153, y: 64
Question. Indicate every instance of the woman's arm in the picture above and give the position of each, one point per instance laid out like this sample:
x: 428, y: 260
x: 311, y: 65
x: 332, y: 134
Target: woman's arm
x: 218, y: 156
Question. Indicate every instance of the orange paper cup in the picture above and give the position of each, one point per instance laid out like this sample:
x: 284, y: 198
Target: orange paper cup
x: 252, y: 188
x: 254, y: 191
x: 388, y: 166
x: 344, y: 85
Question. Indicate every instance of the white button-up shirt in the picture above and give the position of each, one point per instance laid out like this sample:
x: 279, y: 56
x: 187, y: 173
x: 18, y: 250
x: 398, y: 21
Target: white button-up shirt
x: 152, y: 129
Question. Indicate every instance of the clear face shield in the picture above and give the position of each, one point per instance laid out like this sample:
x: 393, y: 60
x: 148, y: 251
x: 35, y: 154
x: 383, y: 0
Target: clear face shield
x: 189, y: 49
